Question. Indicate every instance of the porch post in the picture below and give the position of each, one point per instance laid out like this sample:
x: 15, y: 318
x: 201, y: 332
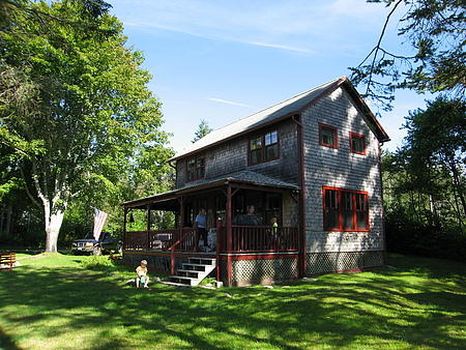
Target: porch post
x: 180, y: 224
x: 148, y: 228
x: 125, y: 212
x: 181, y: 218
x: 228, y: 213
x: 302, y: 199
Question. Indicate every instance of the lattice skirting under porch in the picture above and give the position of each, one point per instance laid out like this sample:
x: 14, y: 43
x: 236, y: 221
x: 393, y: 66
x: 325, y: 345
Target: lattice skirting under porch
x: 264, y: 271
x: 318, y: 263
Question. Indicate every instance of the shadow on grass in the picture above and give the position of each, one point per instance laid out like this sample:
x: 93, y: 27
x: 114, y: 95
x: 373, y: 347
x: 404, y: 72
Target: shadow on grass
x: 389, y: 306
x: 6, y: 343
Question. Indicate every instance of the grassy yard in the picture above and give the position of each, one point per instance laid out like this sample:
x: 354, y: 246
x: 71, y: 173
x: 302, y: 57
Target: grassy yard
x: 55, y: 302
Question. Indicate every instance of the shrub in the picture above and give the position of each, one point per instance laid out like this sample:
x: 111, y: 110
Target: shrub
x: 98, y: 263
x: 410, y: 237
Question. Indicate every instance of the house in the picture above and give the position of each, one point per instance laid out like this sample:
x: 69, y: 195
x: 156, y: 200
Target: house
x: 311, y: 161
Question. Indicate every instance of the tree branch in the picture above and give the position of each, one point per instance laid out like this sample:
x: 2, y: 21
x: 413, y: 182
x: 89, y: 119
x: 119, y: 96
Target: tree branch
x: 31, y: 197
x: 379, y: 42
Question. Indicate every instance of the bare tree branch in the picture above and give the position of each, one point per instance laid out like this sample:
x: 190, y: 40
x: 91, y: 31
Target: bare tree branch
x: 379, y: 42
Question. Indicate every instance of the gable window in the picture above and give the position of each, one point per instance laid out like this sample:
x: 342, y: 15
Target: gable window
x: 345, y: 210
x: 357, y: 143
x: 195, y: 168
x: 271, y: 145
x: 263, y: 148
x: 256, y: 150
x: 328, y: 136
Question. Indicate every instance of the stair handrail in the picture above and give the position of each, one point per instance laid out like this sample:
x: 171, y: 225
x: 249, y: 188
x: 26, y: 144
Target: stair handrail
x: 172, y: 248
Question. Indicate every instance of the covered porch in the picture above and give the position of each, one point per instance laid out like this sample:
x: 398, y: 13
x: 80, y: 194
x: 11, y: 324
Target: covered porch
x: 235, y: 243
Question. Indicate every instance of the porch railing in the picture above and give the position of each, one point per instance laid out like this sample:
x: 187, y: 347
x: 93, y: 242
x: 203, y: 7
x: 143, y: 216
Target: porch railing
x: 186, y: 243
x: 244, y: 239
x: 153, y: 240
x: 264, y: 238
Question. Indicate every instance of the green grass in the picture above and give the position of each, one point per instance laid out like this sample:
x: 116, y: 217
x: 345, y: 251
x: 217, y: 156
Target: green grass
x: 54, y: 302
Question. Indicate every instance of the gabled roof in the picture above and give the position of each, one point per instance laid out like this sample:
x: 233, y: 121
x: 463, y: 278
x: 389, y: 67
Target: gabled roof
x: 241, y: 177
x: 282, y: 110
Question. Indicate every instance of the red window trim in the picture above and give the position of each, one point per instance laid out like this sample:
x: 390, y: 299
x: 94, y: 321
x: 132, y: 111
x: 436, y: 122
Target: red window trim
x: 187, y: 169
x: 262, y: 136
x: 359, y: 136
x: 340, y: 211
x: 335, y: 131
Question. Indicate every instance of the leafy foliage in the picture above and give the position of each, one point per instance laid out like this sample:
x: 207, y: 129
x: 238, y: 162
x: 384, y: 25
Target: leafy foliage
x: 75, y: 109
x: 434, y: 30
x: 97, y: 263
x: 424, y: 182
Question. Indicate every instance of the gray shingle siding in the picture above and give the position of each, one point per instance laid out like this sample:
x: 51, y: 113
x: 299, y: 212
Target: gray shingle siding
x: 340, y: 168
x: 323, y: 167
x: 232, y: 157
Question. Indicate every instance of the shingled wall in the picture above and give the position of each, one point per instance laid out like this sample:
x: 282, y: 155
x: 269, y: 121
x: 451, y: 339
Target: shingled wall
x: 232, y: 157
x: 340, y: 168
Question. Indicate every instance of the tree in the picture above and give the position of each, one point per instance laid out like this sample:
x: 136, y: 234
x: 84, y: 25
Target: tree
x: 436, y: 142
x: 92, y: 114
x: 202, y: 130
x: 434, y: 29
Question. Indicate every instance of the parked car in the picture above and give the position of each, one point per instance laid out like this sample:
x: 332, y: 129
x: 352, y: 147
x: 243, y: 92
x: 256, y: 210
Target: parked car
x: 105, y: 244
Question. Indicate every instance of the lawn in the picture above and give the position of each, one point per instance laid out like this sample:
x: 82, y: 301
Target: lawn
x: 59, y: 302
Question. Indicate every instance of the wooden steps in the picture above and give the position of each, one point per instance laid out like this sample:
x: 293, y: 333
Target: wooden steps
x: 192, y: 272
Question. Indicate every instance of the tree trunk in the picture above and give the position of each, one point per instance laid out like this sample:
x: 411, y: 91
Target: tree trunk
x: 53, y: 220
x: 52, y: 229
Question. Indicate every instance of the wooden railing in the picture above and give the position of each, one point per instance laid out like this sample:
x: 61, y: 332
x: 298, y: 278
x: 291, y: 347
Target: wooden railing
x: 152, y: 240
x: 264, y: 238
x: 186, y: 243
x: 243, y: 239
x: 135, y: 240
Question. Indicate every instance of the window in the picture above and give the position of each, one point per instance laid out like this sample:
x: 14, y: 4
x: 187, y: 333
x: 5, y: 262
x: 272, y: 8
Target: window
x: 328, y: 136
x: 195, y: 168
x: 271, y: 145
x: 345, y: 210
x: 256, y: 150
x: 357, y: 143
x: 263, y: 148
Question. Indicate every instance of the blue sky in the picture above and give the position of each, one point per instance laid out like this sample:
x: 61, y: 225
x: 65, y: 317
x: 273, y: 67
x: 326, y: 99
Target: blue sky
x: 223, y: 60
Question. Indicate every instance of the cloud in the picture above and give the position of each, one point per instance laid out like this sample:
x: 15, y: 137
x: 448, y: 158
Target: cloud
x: 227, y: 102
x: 297, y: 27
x: 281, y: 47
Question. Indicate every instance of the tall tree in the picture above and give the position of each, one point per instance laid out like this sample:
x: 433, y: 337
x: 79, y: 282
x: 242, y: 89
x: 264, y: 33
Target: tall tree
x: 93, y: 113
x: 436, y: 141
x: 434, y: 30
x: 202, y: 130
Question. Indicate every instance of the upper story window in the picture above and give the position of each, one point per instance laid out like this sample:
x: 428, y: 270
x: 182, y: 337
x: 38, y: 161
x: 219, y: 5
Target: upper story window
x: 345, y: 210
x: 263, y: 148
x: 195, y: 168
x: 357, y: 143
x: 328, y: 136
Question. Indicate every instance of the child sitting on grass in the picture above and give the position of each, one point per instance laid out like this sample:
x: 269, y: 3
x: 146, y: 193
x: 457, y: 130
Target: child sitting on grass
x: 142, y: 277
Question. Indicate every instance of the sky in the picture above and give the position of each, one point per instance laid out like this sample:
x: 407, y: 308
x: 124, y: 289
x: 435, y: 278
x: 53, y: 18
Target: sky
x: 224, y: 60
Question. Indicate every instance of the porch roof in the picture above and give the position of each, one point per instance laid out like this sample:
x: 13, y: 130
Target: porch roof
x: 246, y: 177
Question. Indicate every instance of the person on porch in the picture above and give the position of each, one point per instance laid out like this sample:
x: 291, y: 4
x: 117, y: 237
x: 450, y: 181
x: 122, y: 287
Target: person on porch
x: 250, y: 218
x: 200, y: 224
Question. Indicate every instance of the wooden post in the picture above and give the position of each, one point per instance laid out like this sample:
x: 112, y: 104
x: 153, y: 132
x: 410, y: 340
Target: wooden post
x: 125, y: 211
x: 148, y: 228
x: 228, y: 214
x: 181, y: 218
x: 180, y: 224
x: 302, y: 199
x: 218, y: 246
